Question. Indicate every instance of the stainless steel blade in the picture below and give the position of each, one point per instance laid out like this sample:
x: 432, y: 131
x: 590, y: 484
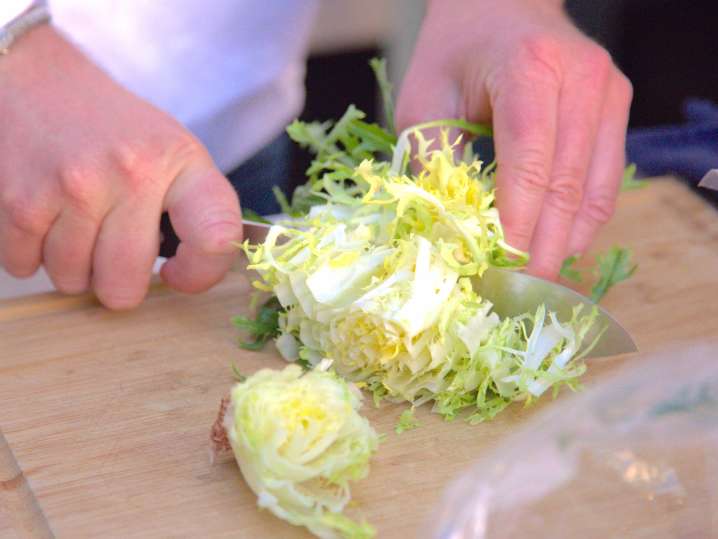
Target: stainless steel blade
x: 710, y: 180
x: 255, y: 232
x: 514, y: 293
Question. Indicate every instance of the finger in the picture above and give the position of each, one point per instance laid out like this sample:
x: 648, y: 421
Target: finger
x: 581, y: 103
x: 606, y: 169
x: 524, y: 120
x: 67, y: 251
x: 24, y: 221
x: 20, y: 250
x: 125, y: 251
x: 419, y: 103
x: 192, y: 271
x: 204, y: 210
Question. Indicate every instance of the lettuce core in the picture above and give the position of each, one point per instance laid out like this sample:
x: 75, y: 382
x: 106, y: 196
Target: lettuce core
x: 299, y: 440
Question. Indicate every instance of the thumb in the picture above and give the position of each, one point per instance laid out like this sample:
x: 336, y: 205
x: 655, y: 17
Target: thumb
x: 204, y: 211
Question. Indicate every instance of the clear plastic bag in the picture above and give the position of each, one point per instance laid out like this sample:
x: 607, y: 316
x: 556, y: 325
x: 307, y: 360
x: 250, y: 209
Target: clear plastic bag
x: 633, y: 457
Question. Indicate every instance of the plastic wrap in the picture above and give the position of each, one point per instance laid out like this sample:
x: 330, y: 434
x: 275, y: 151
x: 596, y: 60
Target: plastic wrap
x: 636, y: 456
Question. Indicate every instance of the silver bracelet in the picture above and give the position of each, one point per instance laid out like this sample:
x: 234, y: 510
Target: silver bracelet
x: 39, y: 13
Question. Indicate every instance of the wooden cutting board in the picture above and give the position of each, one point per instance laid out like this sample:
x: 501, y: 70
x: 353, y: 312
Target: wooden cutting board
x: 108, y: 414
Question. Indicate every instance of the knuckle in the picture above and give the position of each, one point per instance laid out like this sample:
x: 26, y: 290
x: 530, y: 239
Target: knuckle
x: 538, y: 59
x: 154, y: 160
x: 600, y: 208
x: 529, y: 173
x: 218, y: 233
x: 519, y: 232
x: 568, y: 175
x: 184, y: 146
x: 79, y: 185
x: 595, y: 60
x: 624, y: 89
x: 134, y: 163
x: 25, y: 213
x: 567, y: 191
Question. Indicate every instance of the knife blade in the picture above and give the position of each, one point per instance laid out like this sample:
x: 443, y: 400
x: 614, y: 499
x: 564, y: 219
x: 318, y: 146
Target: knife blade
x: 513, y: 293
x: 710, y: 180
x: 255, y: 232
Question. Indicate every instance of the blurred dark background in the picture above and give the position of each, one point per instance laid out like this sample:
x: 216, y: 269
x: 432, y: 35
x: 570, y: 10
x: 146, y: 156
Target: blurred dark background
x: 668, y: 48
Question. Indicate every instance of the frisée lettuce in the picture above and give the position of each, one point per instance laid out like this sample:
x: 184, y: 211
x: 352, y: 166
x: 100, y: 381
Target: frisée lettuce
x: 377, y: 277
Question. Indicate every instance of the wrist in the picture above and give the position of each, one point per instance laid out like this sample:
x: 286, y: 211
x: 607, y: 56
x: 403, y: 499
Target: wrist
x: 39, y: 56
x: 442, y: 4
x: 18, y: 17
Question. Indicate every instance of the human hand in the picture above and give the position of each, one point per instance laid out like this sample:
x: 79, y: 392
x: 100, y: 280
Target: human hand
x: 559, y: 109
x: 86, y: 169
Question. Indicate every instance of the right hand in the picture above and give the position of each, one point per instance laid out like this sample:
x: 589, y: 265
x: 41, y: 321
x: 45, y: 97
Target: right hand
x: 86, y: 170
x: 559, y: 109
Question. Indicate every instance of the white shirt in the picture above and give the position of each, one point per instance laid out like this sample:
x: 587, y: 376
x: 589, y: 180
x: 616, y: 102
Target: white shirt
x: 232, y: 71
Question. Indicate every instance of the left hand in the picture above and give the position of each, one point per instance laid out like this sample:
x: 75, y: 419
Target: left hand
x: 559, y: 109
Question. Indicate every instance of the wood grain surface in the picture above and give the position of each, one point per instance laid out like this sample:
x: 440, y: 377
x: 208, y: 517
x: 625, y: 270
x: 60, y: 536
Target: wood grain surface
x: 108, y: 414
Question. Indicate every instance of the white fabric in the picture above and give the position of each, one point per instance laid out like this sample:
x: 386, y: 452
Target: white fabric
x: 232, y: 71
x: 11, y: 9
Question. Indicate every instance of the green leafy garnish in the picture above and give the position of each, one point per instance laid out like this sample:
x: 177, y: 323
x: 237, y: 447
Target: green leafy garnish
x: 304, y: 363
x: 264, y: 327
x: 237, y: 374
x: 407, y: 421
x: 386, y: 88
x: 345, y: 143
x: 252, y: 215
x: 339, y: 148
x: 284, y: 204
x: 400, y: 160
x: 613, y: 267
x: 630, y: 183
x: 568, y: 271
x: 303, y: 199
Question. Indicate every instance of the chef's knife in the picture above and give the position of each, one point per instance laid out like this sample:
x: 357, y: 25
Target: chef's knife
x: 255, y: 232
x: 514, y: 293
x: 710, y: 180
